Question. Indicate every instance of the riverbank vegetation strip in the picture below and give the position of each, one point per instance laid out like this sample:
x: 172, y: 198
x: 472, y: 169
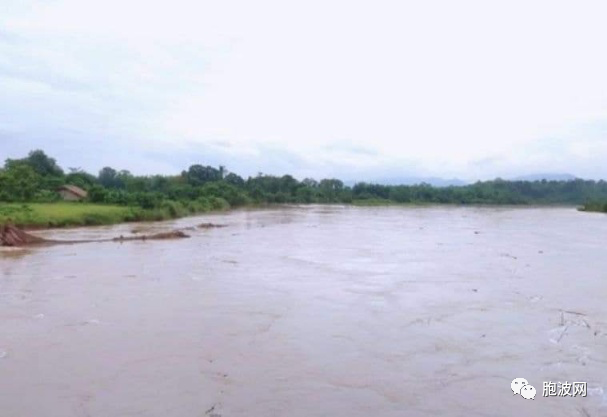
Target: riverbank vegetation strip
x: 29, y: 193
x: 63, y: 214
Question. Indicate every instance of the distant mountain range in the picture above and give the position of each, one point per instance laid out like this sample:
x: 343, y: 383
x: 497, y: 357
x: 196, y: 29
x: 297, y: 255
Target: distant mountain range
x: 433, y: 181
x: 445, y: 182
x: 547, y: 177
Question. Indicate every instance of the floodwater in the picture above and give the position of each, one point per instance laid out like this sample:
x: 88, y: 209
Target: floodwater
x: 311, y: 311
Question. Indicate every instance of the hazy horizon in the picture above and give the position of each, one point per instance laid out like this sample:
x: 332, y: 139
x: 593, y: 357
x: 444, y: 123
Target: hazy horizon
x: 472, y: 91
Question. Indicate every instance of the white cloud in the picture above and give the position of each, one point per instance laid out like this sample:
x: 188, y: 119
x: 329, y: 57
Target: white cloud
x: 433, y: 87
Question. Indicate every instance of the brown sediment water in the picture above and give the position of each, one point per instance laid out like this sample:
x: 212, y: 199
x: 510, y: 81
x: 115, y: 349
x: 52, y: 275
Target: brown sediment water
x: 310, y: 311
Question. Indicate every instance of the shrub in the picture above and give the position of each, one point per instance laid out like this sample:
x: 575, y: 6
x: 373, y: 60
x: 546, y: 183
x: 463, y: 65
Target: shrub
x: 46, y: 196
x: 173, y: 208
x: 97, y: 194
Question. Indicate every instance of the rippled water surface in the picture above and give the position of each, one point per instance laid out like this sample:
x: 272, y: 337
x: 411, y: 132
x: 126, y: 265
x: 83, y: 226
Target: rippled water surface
x: 311, y: 311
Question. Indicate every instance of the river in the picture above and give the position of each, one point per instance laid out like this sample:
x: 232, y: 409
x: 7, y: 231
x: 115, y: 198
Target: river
x: 311, y: 311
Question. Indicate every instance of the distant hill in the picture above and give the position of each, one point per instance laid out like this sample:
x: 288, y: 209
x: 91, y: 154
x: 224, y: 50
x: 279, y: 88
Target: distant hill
x: 545, y: 176
x: 433, y: 181
x: 447, y: 182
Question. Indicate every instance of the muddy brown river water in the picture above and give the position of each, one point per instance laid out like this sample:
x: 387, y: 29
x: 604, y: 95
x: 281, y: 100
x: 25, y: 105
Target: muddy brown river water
x: 311, y: 311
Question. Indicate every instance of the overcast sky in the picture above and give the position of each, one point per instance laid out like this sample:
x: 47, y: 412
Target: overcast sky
x: 353, y: 89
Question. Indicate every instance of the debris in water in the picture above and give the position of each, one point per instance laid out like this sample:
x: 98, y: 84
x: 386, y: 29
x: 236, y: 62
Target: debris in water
x: 3, y: 354
x: 210, y: 225
x: 562, y: 334
x: 176, y: 234
x: 211, y: 412
x: 85, y: 323
x: 574, y: 312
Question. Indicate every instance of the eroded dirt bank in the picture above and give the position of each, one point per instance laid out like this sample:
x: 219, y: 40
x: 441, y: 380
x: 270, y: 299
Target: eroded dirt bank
x: 14, y: 237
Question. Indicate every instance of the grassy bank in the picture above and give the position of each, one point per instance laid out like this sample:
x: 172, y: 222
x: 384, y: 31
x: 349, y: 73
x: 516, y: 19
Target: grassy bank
x: 47, y: 215
x: 596, y: 206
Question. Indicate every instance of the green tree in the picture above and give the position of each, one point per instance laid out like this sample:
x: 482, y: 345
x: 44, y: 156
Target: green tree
x: 19, y: 182
x: 108, y: 177
x: 44, y: 165
x: 198, y: 174
x: 80, y: 178
x: 97, y: 194
x: 234, y: 179
x: 39, y: 162
x: 330, y: 189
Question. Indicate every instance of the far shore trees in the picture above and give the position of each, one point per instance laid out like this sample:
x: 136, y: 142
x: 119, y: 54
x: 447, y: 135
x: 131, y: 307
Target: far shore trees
x: 37, y: 177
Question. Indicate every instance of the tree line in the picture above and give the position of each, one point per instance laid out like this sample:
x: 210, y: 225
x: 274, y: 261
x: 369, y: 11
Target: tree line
x: 37, y: 178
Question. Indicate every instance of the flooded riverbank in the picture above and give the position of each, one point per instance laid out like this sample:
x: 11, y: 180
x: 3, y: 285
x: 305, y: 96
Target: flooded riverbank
x: 310, y: 311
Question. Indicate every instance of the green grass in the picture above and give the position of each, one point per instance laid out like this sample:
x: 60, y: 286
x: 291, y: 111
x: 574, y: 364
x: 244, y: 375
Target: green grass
x: 62, y: 214
x: 595, y: 206
x: 47, y: 215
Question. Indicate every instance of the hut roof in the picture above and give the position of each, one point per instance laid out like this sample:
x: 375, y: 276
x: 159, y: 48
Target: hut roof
x: 74, y: 190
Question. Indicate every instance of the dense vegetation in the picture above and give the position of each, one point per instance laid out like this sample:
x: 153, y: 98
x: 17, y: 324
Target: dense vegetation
x: 36, y: 179
x: 600, y: 206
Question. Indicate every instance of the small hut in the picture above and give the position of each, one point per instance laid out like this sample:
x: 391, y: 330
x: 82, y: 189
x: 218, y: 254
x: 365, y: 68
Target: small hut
x: 72, y: 193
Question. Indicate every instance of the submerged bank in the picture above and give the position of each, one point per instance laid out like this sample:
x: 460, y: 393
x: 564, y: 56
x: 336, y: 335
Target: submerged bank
x: 12, y: 236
